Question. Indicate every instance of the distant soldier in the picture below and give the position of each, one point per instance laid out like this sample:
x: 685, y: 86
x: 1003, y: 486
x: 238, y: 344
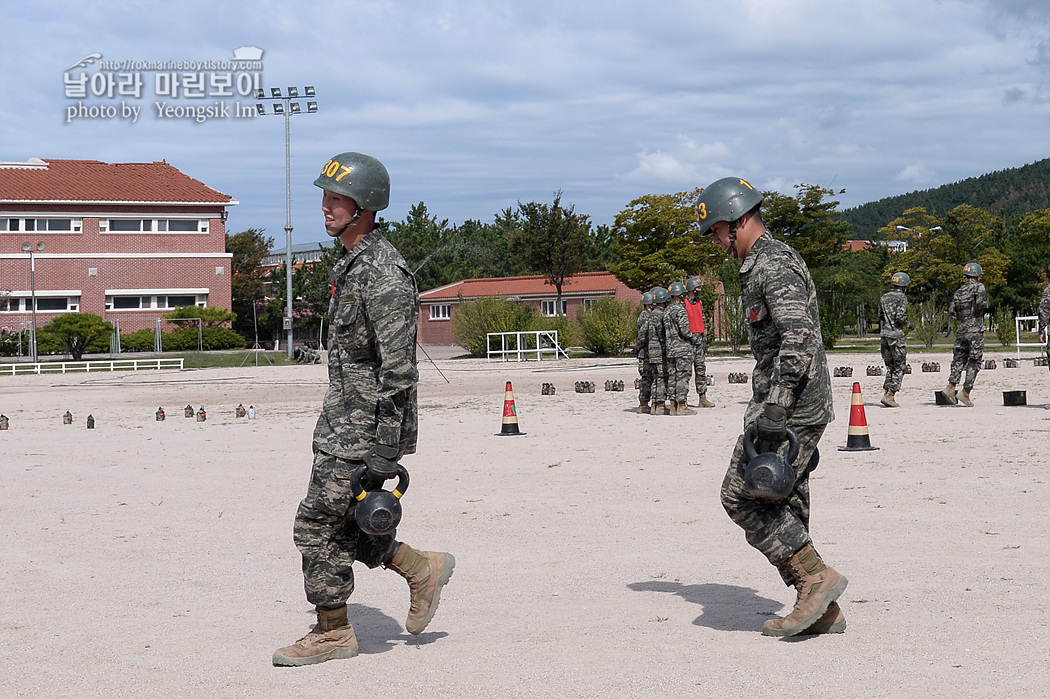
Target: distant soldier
x: 695, y: 309
x: 657, y: 351
x: 967, y: 306
x: 641, y: 351
x: 679, y: 350
x: 893, y: 318
x: 1044, y: 321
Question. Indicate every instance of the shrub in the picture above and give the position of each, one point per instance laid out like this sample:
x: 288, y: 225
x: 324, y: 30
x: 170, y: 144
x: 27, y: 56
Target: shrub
x: 473, y: 320
x: 138, y: 341
x: 608, y: 327
x: 568, y: 330
x: 1005, y: 329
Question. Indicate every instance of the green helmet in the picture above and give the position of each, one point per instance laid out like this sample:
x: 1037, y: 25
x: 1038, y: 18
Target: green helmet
x: 692, y: 283
x: 726, y: 199
x: 647, y: 299
x: 659, y: 294
x: 676, y: 289
x: 900, y: 279
x: 358, y: 176
x: 972, y: 269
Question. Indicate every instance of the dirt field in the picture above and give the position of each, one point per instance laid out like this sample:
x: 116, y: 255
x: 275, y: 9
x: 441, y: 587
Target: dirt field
x: 155, y: 559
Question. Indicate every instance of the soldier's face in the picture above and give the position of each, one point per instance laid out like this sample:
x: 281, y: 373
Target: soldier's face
x: 720, y: 236
x: 338, y: 211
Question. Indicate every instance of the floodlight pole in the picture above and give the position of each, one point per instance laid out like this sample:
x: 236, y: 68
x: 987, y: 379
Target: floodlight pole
x: 287, y: 109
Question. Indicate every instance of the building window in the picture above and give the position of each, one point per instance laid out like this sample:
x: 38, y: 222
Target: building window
x: 71, y: 225
x: 52, y: 304
x: 440, y: 311
x: 146, y: 225
x: 161, y: 302
x: 547, y: 307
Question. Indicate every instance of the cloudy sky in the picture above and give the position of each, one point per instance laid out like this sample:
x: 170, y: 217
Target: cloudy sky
x: 474, y: 105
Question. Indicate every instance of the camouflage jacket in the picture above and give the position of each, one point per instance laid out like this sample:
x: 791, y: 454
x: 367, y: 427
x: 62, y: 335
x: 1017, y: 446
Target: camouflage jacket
x: 641, y: 342
x: 372, y: 373
x: 1044, y: 309
x: 893, y: 314
x: 678, y: 336
x: 780, y: 301
x: 656, y: 335
x: 968, y: 306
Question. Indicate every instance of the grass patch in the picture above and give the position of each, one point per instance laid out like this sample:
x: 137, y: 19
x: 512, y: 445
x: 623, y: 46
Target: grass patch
x: 236, y: 358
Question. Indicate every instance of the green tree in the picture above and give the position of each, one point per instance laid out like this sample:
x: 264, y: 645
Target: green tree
x: 77, y: 331
x: 657, y: 242
x: 426, y: 244
x: 552, y: 240
x: 608, y: 326
x: 209, y: 317
x: 475, y: 319
x: 939, y: 249
x: 248, y: 248
x: 809, y: 222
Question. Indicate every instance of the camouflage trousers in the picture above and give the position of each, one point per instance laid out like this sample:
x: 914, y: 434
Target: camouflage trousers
x: 658, y: 371
x: 967, y: 353
x: 777, y: 530
x: 328, y: 537
x: 679, y: 371
x: 895, y: 356
x: 645, y: 384
x: 700, y: 362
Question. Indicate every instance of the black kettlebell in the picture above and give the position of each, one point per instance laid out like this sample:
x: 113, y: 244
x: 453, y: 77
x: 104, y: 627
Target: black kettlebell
x: 768, y: 476
x: 378, y: 512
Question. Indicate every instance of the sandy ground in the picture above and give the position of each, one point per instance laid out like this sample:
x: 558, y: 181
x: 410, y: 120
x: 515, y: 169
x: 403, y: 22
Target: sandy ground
x: 155, y: 559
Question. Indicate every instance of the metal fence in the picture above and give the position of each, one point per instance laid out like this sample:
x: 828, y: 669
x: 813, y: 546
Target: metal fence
x: 91, y: 366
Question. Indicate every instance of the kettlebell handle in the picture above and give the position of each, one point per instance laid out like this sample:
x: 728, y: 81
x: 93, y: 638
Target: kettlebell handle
x: 358, y: 491
x: 749, y: 444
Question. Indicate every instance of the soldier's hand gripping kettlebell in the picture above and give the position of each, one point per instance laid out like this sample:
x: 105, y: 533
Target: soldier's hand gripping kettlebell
x: 768, y: 476
x: 378, y: 512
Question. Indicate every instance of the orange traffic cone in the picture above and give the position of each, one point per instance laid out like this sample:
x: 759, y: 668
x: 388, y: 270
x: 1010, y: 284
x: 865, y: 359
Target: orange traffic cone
x: 510, y: 415
x: 858, y: 425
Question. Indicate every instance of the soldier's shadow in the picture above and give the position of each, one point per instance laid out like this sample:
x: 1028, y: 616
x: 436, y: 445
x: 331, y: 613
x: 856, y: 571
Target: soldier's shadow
x: 725, y: 607
x: 378, y: 632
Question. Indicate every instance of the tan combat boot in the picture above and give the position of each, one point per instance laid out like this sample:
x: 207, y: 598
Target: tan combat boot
x: 949, y: 391
x: 643, y: 408
x: 704, y: 403
x: 331, y: 639
x: 889, y: 401
x: 661, y: 409
x: 684, y: 409
x: 833, y: 621
x: 426, y: 573
x: 818, y: 586
x: 964, y: 398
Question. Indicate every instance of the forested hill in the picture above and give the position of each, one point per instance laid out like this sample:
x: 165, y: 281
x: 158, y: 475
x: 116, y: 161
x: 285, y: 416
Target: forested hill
x: 1016, y: 190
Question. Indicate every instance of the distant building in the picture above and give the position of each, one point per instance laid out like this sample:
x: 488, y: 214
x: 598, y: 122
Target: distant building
x: 125, y: 241
x: 438, y: 306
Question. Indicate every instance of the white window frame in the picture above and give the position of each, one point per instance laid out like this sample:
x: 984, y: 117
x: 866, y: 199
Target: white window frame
x: 75, y: 224
x: 547, y: 307
x: 24, y: 301
x: 151, y: 299
x: 440, y: 311
x: 153, y: 225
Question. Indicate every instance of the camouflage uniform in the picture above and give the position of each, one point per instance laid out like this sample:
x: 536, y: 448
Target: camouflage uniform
x: 371, y: 399
x: 657, y: 354
x: 641, y: 351
x: 893, y: 318
x: 695, y: 309
x: 1044, y: 319
x: 968, y: 306
x: 679, y: 341
x: 791, y: 371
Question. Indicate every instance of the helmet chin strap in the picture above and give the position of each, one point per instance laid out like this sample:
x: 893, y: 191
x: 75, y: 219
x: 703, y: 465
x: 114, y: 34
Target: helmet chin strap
x: 352, y: 221
x: 732, y: 240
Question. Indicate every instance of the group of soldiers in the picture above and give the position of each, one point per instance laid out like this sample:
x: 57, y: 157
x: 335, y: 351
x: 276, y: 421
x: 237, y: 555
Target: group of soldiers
x: 967, y: 308
x: 671, y: 347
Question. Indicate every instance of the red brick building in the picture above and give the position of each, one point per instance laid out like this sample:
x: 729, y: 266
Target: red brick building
x: 438, y: 306
x: 125, y: 241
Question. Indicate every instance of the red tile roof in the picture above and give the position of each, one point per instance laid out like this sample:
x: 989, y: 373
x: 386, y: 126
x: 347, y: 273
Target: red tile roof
x: 536, y: 285
x: 97, y: 182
